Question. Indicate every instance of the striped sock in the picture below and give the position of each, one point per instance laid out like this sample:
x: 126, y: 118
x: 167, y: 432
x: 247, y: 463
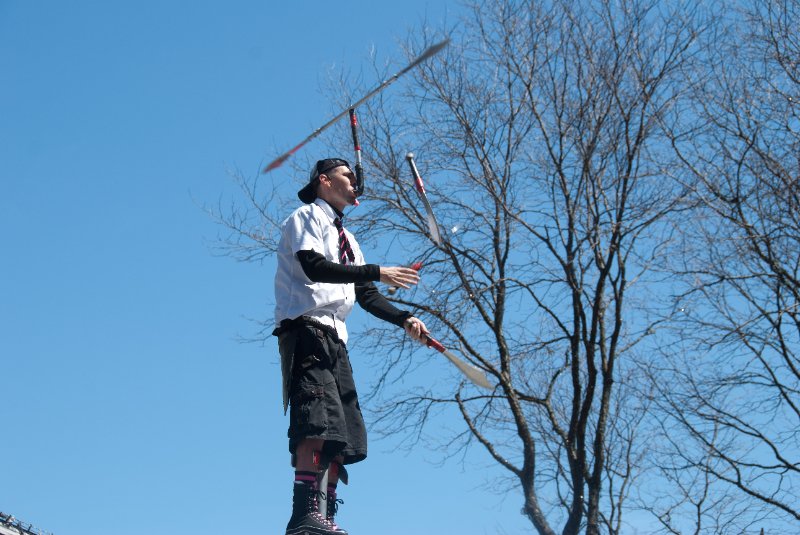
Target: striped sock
x: 305, y: 478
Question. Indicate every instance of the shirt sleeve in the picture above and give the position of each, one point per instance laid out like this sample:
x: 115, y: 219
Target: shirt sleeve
x: 318, y: 269
x: 371, y: 300
x: 304, y: 232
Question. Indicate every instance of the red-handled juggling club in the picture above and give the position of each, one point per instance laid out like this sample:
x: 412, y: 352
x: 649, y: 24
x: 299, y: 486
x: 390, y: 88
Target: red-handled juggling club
x: 430, y: 51
x: 471, y: 372
x: 433, y: 228
x: 416, y: 266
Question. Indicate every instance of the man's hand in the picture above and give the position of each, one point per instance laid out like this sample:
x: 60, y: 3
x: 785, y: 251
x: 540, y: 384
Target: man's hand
x: 416, y: 329
x: 399, y: 276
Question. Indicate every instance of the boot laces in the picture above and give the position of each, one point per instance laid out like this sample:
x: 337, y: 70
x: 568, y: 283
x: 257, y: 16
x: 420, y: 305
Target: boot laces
x: 313, y: 505
x: 333, y: 508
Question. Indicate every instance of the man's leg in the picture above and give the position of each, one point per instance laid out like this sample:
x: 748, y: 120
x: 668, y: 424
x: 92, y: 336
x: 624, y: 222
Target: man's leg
x: 307, y: 455
x: 307, y: 519
x: 317, y: 411
x: 336, y: 472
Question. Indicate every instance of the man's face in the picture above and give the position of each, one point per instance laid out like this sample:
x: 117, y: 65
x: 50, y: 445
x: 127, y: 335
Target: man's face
x: 337, y: 187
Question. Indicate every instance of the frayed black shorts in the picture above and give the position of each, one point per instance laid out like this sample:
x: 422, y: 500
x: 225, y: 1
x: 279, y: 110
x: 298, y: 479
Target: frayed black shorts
x: 322, y: 397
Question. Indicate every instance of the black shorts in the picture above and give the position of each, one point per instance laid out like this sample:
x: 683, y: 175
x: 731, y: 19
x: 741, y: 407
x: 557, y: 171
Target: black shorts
x: 322, y: 398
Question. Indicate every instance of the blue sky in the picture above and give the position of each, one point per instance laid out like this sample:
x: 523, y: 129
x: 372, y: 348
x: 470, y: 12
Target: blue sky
x: 127, y: 398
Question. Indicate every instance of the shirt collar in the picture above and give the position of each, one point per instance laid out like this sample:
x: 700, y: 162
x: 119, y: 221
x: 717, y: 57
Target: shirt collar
x: 329, y: 210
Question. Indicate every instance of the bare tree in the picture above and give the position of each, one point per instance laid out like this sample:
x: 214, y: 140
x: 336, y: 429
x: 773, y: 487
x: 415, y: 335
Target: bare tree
x: 539, y: 131
x: 737, y: 404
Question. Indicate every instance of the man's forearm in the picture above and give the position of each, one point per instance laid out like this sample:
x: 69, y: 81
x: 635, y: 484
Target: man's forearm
x: 319, y: 269
x: 371, y: 300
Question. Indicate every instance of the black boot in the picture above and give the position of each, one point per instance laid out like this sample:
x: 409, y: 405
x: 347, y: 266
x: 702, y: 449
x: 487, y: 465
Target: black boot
x: 333, y: 508
x: 306, y: 517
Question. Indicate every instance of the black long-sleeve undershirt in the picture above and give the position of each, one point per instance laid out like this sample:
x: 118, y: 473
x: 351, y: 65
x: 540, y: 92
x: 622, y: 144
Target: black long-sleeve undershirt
x: 319, y: 269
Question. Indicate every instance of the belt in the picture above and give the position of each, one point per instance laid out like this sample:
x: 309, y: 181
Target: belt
x: 303, y: 321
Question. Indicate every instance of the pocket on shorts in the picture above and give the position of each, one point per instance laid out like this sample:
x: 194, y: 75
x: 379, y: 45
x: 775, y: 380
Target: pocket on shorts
x: 310, y: 349
x: 309, y: 415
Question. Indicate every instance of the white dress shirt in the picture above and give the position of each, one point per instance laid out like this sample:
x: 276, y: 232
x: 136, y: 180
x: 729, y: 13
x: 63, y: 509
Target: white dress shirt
x: 311, y: 227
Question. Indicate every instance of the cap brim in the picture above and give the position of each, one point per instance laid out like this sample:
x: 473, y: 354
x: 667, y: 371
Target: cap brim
x: 308, y: 193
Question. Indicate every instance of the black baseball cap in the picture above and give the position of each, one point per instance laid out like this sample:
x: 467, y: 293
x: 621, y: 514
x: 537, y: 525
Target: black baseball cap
x: 309, y: 191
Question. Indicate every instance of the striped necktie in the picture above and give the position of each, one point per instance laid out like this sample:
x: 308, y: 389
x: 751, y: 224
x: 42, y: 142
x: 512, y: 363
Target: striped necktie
x: 345, y: 251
